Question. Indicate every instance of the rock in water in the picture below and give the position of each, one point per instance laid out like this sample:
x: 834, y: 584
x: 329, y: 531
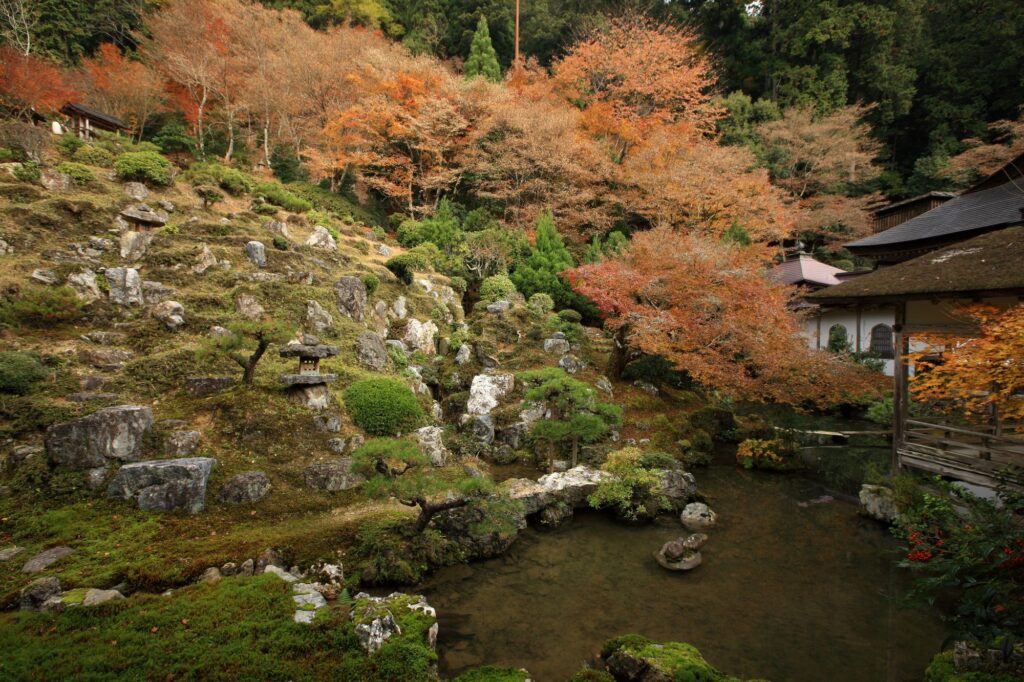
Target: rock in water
x: 371, y: 351
x: 164, y: 485
x: 351, y: 296
x: 681, y: 554
x: 876, y: 502
x: 115, y: 433
x: 252, y: 486
x: 698, y: 516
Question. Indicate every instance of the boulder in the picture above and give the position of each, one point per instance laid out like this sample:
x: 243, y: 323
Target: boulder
x: 317, y: 318
x: 321, y: 239
x: 246, y: 488
x: 94, y: 597
x: 698, y: 516
x: 143, y: 215
x: 136, y: 190
x: 5, y: 248
x: 204, y: 260
x: 374, y: 628
x: 350, y: 293
x: 371, y: 351
x: 677, y: 485
x: 155, y: 292
x: 432, y: 444
x: 331, y: 423
x: 40, y: 562
x: 498, y: 307
x: 571, y: 364
x: 337, y: 445
x: 135, y: 244
x: 248, y: 307
x: 206, y: 386
x: 114, y: 433
x: 464, y: 355
x: 109, y: 359
x: 574, y: 485
x: 125, y: 286
x: 55, y: 181
x: 42, y: 594
x: 171, y: 314
x: 211, y: 576
x: 277, y: 227
x: 48, y: 277
x: 256, y: 252
x: 311, y: 395
x: 481, y: 426
x: 8, y: 553
x: 383, y: 251
x: 332, y: 476
x: 554, y: 515
x: 181, y: 443
x: 556, y: 346
x: 399, y: 308
x: 487, y: 390
x: 603, y: 384
x: 164, y: 485
x: 420, y: 336
x: 166, y: 205
x: 85, y: 286
x: 533, y: 496
x: 877, y: 502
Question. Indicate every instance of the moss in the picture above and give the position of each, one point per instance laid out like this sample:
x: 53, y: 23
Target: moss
x: 675, y: 660
x: 591, y: 675
x: 491, y: 673
x: 74, y: 597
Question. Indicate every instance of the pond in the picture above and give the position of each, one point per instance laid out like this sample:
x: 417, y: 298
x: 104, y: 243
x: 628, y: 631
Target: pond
x: 793, y: 587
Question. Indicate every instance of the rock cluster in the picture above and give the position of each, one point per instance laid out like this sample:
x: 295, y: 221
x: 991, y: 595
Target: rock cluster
x: 166, y: 485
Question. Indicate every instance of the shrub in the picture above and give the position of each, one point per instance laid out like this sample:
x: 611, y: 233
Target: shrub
x: 28, y: 171
x: 148, y: 167
x: 79, y: 173
x: 39, y: 306
x: 19, y: 371
x: 774, y: 454
x: 496, y: 288
x: 280, y: 243
x: 209, y: 195
x: 279, y: 196
x: 458, y: 284
x: 371, y: 281
x: 231, y: 180
x: 69, y: 144
x: 93, y: 156
x: 383, y: 407
x: 361, y: 246
x: 403, y: 661
x: 405, y: 264
x: 379, y: 233
x: 541, y: 304
x: 265, y: 209
x: 570, y: 316
x: 632, y: 491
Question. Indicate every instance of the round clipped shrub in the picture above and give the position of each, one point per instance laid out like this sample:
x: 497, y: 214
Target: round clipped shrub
x: 383, y: 407
x: 93, y: 156
x: 19, y: 372
x: 569, y: 315
x: 148, y: 167
x: 541, y: 303
x: 69, y: 144
x: 371, y: 281
x: 496, y: 288
x: 78, y: 172
x: 280, y: 243
x: 405, y: 264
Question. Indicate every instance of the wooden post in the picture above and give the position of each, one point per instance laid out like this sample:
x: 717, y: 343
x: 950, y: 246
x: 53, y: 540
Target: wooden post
x: 900, y: 385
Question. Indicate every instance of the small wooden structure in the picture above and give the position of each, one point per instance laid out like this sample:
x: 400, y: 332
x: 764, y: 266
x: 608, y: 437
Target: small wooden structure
x: 85, y: 121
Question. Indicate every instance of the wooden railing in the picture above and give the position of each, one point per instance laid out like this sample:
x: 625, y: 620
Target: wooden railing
x: 978, y: 456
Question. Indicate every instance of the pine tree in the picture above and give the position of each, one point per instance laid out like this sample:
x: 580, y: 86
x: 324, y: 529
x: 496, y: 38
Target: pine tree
x: 548, y: 258
x: 483, y: 60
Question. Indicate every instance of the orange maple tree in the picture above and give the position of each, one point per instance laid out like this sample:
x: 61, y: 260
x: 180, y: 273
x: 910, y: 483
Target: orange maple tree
x: 707, y: 307
x: 29, y: 83
x: 978, y: 376
x: 128, y: 89
x: 635, y: 74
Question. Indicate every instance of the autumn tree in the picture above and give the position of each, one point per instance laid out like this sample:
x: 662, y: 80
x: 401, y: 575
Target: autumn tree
x: 398, y: 469
x: 483, y: 60
x: 128, y: 89
x: 707, y: 306
x: 32, y: 84
x: 981, y: 377
x: 635, y: 74
x: 575, y: 415
x: 983, y: 157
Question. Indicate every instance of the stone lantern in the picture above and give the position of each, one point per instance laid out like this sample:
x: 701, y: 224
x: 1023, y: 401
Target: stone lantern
x: 310, y: 386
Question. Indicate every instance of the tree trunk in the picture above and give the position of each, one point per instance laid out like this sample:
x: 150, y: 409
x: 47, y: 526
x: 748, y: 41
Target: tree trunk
x: 429, y: 509
x: 575, y: 450
x: 620, y: 350
x: 250, y: 365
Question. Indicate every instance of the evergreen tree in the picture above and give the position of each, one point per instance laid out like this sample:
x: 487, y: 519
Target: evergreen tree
x: 483, y: 60
x: 548, y: 258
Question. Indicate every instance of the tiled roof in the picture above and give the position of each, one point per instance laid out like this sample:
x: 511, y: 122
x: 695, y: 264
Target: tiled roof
x: 805, y: 270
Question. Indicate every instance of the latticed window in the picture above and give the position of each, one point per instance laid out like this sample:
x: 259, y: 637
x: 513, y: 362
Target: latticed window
x: 881, y: 341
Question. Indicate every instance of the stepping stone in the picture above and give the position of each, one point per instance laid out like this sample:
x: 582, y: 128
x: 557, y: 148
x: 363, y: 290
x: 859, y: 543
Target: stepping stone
x: 40, y: 562
x: 309, y: 601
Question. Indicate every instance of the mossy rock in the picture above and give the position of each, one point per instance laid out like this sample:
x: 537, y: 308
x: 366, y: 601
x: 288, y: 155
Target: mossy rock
x: 636, y: 657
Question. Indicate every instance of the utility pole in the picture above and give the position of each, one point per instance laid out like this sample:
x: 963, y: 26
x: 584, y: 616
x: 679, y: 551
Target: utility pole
x: 516, y: 61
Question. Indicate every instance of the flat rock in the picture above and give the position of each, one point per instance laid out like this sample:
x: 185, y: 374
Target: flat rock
x: 245, y: 488
x: 8, y: 553
x: 111, y: 434
x: 94, y: 597
x: 164, y: 485
x: 205, y: 386
x: 332, y: 476
x: 698, y: 516
x: 40, y: 562
x: 574, y: 485
x: 141, y: 214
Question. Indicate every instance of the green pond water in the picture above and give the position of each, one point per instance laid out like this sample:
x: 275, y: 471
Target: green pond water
x: 787, y: 592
